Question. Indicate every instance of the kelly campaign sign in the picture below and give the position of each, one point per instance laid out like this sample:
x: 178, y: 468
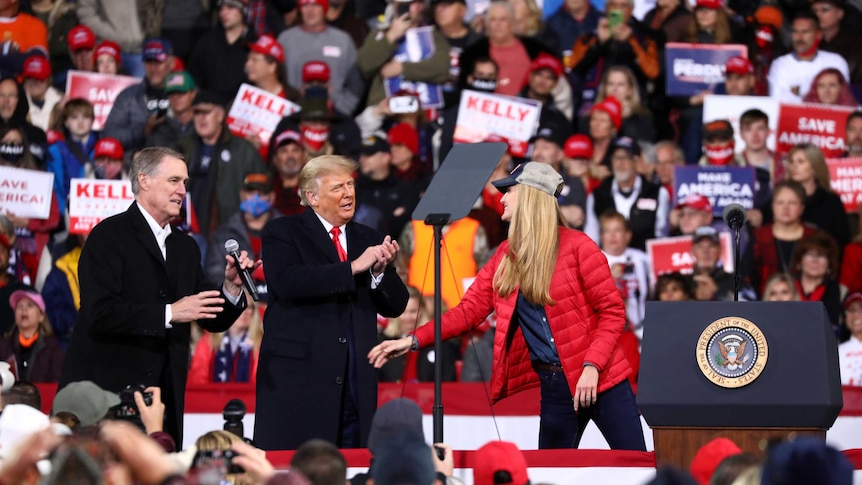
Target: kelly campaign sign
x: 417, y: 45
x: 722, y: 107
x: 721, y: 185
x: 513, y: 119
x: 669, y: 254
x: 26, y: 193
x: 92, y: 200
x: 845, y: 178
x: 820, y: 124
x: 99, y: 89
x: 257, y: 112
x: 692, y: 68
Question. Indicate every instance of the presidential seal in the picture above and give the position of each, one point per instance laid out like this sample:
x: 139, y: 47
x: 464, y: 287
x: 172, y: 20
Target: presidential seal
x: 732, y: 352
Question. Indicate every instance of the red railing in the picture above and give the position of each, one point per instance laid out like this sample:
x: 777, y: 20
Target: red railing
x: 459, y: 399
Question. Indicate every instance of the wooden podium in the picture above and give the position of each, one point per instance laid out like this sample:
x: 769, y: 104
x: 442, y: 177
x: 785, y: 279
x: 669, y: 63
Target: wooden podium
x: 676, y: 446
x: 753, y: 372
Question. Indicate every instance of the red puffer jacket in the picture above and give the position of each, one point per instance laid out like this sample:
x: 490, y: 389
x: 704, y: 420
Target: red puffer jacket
x: 586, y: 321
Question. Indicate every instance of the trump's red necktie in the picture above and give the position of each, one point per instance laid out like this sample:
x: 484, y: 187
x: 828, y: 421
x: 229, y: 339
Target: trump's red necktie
x: 342, y: 254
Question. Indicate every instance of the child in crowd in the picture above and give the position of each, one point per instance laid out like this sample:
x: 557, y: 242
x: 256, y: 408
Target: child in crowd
x: 769, y: 168
x: 69, y: 157
x: 629, y: 266
x: 108, y: 58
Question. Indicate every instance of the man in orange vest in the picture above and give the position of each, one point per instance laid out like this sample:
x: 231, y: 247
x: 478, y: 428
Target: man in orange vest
x: 465, y: 250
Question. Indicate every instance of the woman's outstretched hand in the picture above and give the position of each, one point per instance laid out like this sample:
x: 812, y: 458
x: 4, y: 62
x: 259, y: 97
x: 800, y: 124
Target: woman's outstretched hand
x: 389, y: 349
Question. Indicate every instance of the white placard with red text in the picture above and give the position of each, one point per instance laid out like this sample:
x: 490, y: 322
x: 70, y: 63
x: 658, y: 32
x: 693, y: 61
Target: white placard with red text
x: 670, y: 254
x: 26, y: 193
x: 513, y: 119
x: 257, y: 112
x: 92, y: 200
x: 99, y: 89
x: 845, y: 178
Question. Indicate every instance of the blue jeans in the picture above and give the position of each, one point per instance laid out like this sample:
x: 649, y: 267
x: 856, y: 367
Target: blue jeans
x: 614, y: 412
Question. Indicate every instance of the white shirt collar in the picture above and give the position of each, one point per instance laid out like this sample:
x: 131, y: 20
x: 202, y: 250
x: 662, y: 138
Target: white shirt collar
x: 327, y: 225
x: 158, y: 230
x: 615, y: 187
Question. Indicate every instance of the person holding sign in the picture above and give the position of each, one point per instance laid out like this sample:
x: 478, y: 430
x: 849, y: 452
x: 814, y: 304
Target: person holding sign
x: 559, y: 319
x: 378, y: 60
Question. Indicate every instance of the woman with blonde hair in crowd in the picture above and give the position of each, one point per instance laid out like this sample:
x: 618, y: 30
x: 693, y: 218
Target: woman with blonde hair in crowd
x: 559, y: 319
x: 806, y: 164
x: 229, y: 356
x: 637, y: 121
x: 780, y: 287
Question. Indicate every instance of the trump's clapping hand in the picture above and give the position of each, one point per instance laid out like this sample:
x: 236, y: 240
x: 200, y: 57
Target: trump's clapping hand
x: 386, y: 253
x: 375, y: 258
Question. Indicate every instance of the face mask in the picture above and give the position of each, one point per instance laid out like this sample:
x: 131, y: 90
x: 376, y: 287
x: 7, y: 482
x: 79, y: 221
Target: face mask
x: 256, y: 206
x: 720, y: 154
x: 108, y: 171
x: 812, y: 49
x: 314, y: 138
x: 11, y: 152
x: 484, y: 85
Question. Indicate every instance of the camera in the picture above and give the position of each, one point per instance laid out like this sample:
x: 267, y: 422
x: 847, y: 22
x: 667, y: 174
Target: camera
x: 127, y: 410
x: 221, y: 460
x: 233, y: 413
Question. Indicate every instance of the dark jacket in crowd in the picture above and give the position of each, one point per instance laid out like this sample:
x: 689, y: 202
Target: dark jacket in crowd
x: 218, y: 66
x: 825, y: 210
x: 42, y: 363
x: 394, y: 197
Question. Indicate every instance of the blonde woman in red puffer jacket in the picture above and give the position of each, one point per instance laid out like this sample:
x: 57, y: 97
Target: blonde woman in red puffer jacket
x: 559, y: 319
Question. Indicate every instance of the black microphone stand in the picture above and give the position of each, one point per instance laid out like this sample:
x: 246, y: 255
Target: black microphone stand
x: 736, y: 263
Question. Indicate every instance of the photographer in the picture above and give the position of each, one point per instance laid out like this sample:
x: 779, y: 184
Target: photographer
x: 153, y: 417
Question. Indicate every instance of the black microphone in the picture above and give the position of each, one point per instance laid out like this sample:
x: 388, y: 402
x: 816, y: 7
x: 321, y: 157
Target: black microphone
x: 232, y: 248
x: 734, y: 216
